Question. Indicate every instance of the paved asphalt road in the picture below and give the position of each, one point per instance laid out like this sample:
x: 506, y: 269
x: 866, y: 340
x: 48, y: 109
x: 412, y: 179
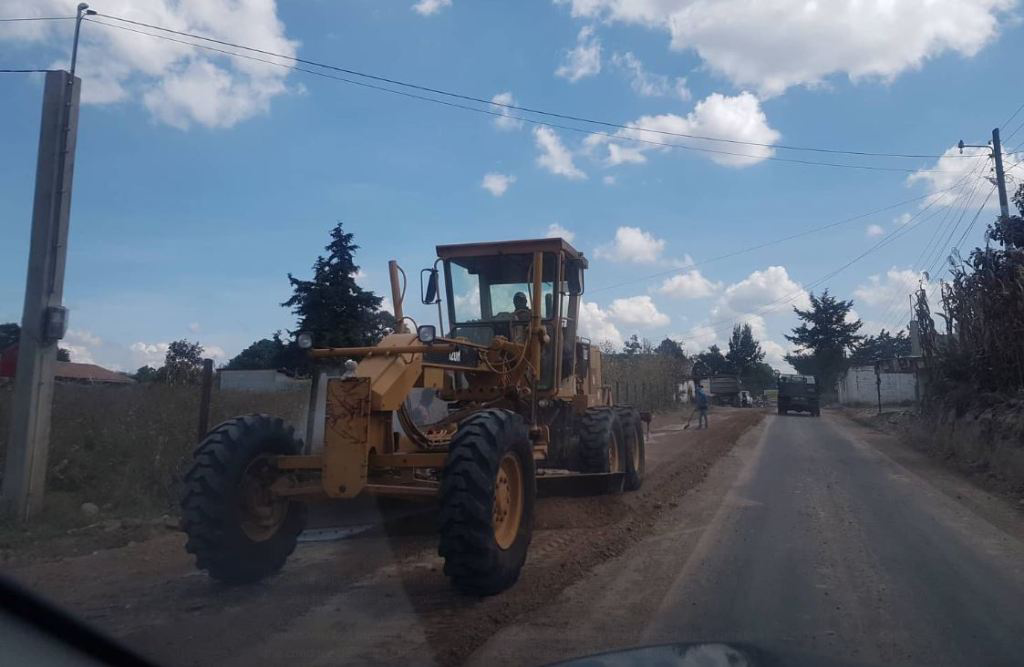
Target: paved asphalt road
x: 826, y: 547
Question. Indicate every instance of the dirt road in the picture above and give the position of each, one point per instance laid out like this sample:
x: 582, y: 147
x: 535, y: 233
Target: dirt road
x: 377, y: 596
x: 819, y: 541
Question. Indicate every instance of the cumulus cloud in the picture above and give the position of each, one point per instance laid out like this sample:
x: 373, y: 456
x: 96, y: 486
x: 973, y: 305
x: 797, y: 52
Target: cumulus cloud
x: 632, y: 244
x: 772, y: 45
x: 885, y: 290
x: 556, y: 230
x: 738, y: 117
x: 638, y: 311
x: 874, y: 230
x: 430, y: 7
x: 902, y: 219
x: 608, y: 180
x: 148, y: 354
x: 596, y: 325
x: 584, y: 59
x: 942, y: 178
x: 506, y: 121
x: 649, y: 84
x: 554, y: 156
x: 770, y: 290
x: 689, y: 285
x: 497, y: 184
x: 180, y: 86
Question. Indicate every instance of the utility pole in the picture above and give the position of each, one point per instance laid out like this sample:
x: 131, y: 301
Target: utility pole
x: 997, y: 152
x: 44, y: 318
x: 997, y: 156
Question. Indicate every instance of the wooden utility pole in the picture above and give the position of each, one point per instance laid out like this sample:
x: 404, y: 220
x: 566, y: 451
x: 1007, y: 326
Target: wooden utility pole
x: 206, y: 388
x: 44, y: 319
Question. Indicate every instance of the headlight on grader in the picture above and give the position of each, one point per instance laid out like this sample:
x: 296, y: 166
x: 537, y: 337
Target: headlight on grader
x: 426, y: 333
x: 305, y: 340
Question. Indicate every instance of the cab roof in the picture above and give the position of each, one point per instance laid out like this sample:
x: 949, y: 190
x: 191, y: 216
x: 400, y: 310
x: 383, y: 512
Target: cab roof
x: 510, y: 248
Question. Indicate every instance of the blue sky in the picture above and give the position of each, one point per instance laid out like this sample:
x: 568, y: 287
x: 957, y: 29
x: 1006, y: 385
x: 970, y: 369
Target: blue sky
x: 202, y: 180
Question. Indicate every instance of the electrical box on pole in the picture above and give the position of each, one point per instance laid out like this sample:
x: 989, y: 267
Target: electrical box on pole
x: 44, y: 318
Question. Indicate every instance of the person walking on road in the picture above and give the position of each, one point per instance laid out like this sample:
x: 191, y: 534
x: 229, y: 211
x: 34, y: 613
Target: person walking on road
x: 702, y: 402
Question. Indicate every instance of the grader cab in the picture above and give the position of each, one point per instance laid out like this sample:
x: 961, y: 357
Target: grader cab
x: 516, y: 401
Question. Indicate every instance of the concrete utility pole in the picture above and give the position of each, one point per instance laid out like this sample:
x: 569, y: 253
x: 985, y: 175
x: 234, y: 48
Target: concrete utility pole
x: 997, y: 156
x: 44, y: 319
x: 997, y: 152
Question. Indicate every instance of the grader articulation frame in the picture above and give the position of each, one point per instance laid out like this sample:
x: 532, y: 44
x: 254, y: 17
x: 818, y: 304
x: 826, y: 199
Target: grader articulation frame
x: 523, y: 394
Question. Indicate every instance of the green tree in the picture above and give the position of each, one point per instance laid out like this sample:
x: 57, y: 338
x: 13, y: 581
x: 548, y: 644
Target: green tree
x: 264, y: 354
x: 331, y: 306
x: 760, y: 377
x: 63, y: 354
x: 632, y: 345
x: 825, y: 337
x: 744, y: 350
x: 10, y: 332
x: 671, y: 349
x: 882, y: 346
x: 183, y: 363
x: 146, y: 374
x: 711, y: 362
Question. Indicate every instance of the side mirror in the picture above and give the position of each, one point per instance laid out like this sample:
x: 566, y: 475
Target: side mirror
x: 428, y: 291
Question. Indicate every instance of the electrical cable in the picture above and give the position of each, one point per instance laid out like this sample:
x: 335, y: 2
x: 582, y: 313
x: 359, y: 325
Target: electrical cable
x: 767, y: 244
x: 508, y: 106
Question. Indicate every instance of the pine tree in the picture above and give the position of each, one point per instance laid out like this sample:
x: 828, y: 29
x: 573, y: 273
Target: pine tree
x: 825, y: 338
x: 331, y: 306
x: 744, y: 350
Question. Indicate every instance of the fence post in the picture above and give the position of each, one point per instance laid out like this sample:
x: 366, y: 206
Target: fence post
x: 204, y: 399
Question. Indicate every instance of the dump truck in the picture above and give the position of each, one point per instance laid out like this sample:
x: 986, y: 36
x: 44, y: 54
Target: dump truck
x: 725, y: 389
x: 798, y: 393
x: 526, y: 406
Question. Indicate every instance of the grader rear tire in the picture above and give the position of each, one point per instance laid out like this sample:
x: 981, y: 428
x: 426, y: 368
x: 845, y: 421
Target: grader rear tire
x: 633, y: 444
x: 488, y: 487
x: 238, y: 532
x: 601, y: 441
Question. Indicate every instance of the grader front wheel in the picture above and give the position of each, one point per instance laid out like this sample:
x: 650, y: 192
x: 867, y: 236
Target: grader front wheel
x: 488, y: 486
x: 238, y: 531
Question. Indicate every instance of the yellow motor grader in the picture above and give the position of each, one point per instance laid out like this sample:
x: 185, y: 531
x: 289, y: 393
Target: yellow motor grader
x: 521, y: 402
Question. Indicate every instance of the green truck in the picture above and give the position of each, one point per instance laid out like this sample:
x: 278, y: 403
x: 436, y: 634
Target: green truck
x: 798, y: 393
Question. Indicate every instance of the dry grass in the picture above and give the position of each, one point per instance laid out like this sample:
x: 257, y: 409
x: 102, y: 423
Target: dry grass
x: 125, y: 448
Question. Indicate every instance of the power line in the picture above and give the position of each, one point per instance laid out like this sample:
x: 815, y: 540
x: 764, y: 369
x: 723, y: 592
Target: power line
x: 766, y: 244
x: 22, y: 71
x: 509, y: 106
x: 15, y: 19
x: 1013, y: 115
x: 523, y: 118
x: 789, y: 298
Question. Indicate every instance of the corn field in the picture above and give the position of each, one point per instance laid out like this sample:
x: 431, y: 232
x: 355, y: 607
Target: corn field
x: 979, y: 340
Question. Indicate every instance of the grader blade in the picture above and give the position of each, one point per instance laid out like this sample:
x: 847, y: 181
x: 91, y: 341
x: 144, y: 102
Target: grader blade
x: 577, y: 485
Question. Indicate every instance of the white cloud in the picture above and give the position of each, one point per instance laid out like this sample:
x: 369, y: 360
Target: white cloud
x: 701, y: 337
x: 770, y: 290
x: 648, y: 84
x: 429, y: 7
x: 639, y: 311
x: 718, y: 116
x: 875, y: 230
x: 193, y: 327
x: 148, y: 354
x: 82, y: 337
x: 554, y: 156
x: 213, y: 352
x: 506, y: 121
x: 496, y: 183
x: 608, y: 180
x: 775, y: 44
x: 689, y: 285
x: 902, y: 219
x: 942, y: 178
x: 596, y: 325
x: 584, y: 59
x: 632, y: 244
x: 893, y: 287
x: 556, y: 230
x: 179, y: 85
